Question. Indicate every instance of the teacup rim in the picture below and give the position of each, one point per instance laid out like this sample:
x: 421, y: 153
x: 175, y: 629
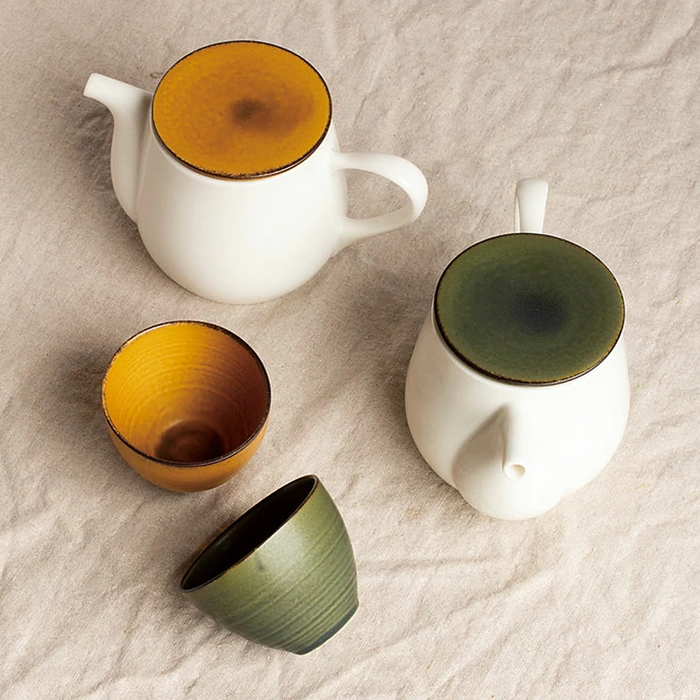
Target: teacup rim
x: 251, y: 512
x: 189, y: 465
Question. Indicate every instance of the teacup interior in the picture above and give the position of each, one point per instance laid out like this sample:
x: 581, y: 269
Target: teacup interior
x: 186, y: 393
x: 248, y: 532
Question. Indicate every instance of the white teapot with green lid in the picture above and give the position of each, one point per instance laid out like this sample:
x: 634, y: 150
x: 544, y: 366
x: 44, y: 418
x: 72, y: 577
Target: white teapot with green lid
x: 517, y: 392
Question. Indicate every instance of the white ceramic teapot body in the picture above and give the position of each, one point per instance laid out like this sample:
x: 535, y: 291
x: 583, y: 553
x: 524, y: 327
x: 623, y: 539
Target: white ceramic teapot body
x: 513, y: 450
x: 240, y: 241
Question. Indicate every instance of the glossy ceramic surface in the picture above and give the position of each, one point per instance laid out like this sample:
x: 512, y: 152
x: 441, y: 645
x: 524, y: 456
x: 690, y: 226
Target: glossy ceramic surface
x: 186, y: 404
x: 529, y: 308
x: 241, y: 109
x: 283, y: 574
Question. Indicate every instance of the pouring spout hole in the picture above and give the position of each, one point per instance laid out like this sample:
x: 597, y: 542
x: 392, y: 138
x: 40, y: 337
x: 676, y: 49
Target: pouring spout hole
x: 514, y: 471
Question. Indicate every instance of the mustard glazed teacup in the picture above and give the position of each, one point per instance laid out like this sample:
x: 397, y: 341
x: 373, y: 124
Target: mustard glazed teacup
x: 186, y: 404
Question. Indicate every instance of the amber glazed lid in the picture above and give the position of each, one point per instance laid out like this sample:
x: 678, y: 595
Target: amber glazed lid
x: 241, y: 109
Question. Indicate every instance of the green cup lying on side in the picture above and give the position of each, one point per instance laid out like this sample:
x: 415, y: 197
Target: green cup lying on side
x: 283, y: 574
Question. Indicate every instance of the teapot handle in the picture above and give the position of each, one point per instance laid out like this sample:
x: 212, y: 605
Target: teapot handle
x: 399, y: 171
x: 530, y: 205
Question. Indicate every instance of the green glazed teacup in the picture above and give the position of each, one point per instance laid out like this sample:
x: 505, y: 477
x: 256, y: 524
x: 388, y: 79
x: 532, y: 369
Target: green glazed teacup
x: 283, y: 574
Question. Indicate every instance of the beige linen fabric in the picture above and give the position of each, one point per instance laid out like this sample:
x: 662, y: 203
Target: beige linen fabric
x: 596, y: 599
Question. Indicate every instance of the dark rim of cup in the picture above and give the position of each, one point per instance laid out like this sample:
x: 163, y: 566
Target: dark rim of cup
x: 256, y: 518
x: 485, y: 373
x: 265, y: 173
x: 220, y: 458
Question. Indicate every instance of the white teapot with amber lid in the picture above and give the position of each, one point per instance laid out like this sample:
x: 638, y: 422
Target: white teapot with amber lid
x: 233, y: 173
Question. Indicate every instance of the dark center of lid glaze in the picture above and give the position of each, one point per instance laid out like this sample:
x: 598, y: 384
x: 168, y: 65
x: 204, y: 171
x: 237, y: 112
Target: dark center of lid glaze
x: 529, y: 308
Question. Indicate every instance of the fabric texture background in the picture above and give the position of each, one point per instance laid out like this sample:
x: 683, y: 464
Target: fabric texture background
x: 595, y: 599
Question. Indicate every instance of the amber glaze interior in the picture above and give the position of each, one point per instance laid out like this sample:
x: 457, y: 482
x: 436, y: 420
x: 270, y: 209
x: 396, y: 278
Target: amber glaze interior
x: 241, y: 109
x: 186, y: 393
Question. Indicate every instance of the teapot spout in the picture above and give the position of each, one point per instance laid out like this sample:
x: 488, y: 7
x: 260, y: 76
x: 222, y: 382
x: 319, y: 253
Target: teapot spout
x: 129, y: 107
x: 503, y: 471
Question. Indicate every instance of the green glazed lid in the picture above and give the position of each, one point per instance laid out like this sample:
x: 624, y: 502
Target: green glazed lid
x: 529, y: 308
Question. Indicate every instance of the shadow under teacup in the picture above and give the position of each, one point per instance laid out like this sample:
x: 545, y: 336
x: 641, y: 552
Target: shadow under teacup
x: 186, y: 404
x: 283, y: 574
